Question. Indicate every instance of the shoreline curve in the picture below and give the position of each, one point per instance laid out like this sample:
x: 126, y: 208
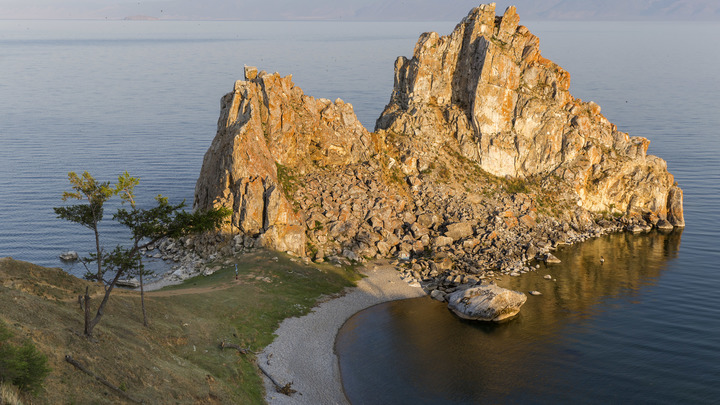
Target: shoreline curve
x: 304, y: 351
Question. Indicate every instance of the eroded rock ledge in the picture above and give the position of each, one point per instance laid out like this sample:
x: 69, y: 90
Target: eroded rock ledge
x: 481, y: 162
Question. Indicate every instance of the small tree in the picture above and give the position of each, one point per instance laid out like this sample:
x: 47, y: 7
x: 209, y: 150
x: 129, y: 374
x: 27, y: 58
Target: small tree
x: 88, y: 215
x: 147, y: 226
x: 23, y: 366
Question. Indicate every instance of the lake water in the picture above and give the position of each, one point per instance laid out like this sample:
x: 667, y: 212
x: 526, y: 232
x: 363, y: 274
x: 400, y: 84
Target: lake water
x: 644, y: 327
x: 110, y: 96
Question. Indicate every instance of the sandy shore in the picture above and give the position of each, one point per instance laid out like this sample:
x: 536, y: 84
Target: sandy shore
x: 303, y: 352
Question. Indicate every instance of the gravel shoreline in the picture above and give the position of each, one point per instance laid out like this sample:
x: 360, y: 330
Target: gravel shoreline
x: 304, y: 351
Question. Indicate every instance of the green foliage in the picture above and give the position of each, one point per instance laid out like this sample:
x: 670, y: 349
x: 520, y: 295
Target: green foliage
x: 288, y: 181
x: 89, y: 215
x: 23, y: 366
x: 146, y: 226
x: 514, y: 186
x: 85, y: 188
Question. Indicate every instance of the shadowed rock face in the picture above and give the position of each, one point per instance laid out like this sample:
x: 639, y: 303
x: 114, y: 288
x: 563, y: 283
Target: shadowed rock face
x: 488, y: 86
x: 442, y: 180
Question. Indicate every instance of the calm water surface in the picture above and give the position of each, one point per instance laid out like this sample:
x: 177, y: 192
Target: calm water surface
x: 642, y: 328
x: 109, y: 96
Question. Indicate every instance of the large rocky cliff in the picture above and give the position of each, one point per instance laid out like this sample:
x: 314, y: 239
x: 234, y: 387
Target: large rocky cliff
x: 488, y: 86
x: 482, y: 160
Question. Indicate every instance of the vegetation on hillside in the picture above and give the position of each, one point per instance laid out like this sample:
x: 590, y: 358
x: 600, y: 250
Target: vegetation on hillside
x: 21, y: 365
x: 177, y: 359
x: 146, y: 226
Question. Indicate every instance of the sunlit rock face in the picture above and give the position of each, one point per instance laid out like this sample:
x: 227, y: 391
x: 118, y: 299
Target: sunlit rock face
x: 482, y: 160
x: 487, y: 85
x: 266, y: 124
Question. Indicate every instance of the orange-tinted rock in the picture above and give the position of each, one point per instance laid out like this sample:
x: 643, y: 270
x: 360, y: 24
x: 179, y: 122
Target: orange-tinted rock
x: 267, y: 122
x: 487, y: 85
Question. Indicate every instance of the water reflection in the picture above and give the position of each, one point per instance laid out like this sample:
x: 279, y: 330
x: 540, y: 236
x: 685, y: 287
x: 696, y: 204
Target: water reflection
x: 416, y: 351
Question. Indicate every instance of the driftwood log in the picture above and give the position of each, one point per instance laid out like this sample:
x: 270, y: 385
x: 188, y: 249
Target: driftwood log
x: 283, y: 389
x: 242, y: 350
x: 105, y: 382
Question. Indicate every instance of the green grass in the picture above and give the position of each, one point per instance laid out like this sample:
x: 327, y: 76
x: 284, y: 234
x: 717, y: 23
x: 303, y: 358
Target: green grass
x: 178, y: 358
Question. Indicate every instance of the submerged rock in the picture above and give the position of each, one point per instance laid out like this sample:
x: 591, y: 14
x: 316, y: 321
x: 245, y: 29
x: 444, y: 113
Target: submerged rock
x: 486, y: 303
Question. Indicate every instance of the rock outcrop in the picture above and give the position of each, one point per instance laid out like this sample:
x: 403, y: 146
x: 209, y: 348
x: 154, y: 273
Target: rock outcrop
x: 481, y: 162
x: 487, y: 86
x: 266, y: 127
x: 486, y: 303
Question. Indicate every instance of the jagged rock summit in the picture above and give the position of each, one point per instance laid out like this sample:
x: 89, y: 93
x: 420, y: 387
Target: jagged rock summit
x: 481, y: 161
x: 487, y: 86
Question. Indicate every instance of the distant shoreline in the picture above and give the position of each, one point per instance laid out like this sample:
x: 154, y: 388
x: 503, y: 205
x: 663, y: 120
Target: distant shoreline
x: 304, y: 351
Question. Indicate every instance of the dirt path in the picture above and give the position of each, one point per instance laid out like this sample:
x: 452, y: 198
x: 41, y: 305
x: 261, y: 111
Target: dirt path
x: 194, y: 290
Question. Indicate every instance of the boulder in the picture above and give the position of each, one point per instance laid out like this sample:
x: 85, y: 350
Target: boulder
x: 486, y: 303
x: 441, y: 241
x: 128, y: 283
x: 551, y: 258
x: 438, y: 295
x: 459, y: 230
x: 69, y: 256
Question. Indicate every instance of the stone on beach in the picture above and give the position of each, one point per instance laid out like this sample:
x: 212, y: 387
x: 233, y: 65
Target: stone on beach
x: 550, y: 258
x: 486, y: 303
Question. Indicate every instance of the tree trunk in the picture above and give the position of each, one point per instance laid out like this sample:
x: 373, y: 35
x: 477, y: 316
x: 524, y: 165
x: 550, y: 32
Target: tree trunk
x: 86, y: 302
x: 100, y: 311
x: 142, y: 299
x: 105, y: 382
x: 99, y: 256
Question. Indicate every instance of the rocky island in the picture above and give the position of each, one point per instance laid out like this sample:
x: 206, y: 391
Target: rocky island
x: 481, y: 162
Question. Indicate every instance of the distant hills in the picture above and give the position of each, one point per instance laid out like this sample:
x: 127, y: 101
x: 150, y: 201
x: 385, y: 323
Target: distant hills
x: 547, y: 9
x: 359, y: 10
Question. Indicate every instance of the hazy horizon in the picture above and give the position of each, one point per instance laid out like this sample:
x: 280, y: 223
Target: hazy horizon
x: 356, y: 10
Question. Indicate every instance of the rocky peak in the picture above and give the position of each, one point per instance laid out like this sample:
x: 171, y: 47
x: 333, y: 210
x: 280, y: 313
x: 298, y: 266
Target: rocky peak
x: 487, y: 86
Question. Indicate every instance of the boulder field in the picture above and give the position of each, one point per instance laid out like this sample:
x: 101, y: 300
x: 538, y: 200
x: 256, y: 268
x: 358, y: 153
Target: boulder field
x: 481, y: 162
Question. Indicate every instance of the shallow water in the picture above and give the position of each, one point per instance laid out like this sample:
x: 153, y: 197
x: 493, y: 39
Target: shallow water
x: 619, y: 332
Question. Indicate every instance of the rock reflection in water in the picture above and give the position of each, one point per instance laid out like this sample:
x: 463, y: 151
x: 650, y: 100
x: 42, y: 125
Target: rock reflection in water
x: 416, y: 351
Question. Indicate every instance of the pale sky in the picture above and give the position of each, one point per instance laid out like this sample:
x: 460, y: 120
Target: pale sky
x: 452, y: 10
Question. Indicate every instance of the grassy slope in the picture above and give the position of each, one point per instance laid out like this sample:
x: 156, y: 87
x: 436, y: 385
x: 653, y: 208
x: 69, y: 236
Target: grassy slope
x: 177, y: 359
